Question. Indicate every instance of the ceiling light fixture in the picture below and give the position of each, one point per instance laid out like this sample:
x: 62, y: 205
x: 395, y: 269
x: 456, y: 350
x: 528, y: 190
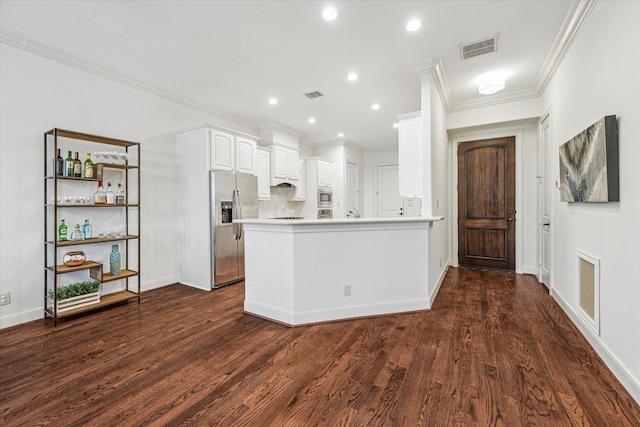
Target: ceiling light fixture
x: 413, y: 25
x: 491, y: 84
x: 273, y: 101
x: 312, y: 120
x: 396, y: 125
x: 375, y: 107
x: 329, y: 14
x: 352, y: 77
x: 340, y: 135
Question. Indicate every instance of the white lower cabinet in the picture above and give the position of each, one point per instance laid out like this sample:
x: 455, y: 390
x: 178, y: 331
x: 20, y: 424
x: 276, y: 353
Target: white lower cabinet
x: 263, y: 167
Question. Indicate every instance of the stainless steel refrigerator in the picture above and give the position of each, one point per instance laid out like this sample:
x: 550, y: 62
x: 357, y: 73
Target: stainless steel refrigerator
x: 232, y: 196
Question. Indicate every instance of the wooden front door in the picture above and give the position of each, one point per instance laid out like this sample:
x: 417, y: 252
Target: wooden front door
x: 486, y: 203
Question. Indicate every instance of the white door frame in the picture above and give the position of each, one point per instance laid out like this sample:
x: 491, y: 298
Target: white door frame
x: 348, y: 164
x: 453, y: 200
x: 544, y: 168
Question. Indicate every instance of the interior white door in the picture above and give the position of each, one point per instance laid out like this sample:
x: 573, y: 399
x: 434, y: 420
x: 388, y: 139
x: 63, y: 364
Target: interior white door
x: 389, y: 199
x: 544, y: 229
x: 351, y: 200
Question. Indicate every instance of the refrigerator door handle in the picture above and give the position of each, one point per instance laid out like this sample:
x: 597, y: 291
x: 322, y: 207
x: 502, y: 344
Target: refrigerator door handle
x: 237, y: 214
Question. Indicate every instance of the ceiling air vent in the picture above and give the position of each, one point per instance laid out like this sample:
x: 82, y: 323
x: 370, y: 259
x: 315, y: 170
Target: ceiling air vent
x: 312, y: 95
x: 479, y: 47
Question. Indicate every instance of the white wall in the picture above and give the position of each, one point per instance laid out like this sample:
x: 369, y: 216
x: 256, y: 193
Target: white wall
x: 599, y: 77
x: 39, y: 94
x: 370, y: 187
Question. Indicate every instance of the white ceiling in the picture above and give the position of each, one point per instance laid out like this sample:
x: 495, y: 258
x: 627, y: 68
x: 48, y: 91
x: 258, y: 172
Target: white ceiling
x: 231, y: 56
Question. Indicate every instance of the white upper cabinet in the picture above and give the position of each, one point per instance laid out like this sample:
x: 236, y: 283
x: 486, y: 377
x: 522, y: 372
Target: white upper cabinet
x: 284, y: 165
x: 293, y: 164
x: 263, y: 165
x: 222, y: 149
x: 410, y: 154
x: 232, y: 153
x: 300, y: 193
x: 325, y: 174
x: 246, y: 156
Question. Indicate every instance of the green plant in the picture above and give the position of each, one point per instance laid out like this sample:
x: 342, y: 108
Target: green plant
x: 75, y: 290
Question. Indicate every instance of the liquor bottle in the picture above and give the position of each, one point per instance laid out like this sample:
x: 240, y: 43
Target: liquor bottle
x: 62, y: 231
x: 77, y: 234
x: 121, y: 195
x: 68, y: 165
x: 77, y: 167
x: 59, y: 165
x: 88, y: 167
x: 111, y: 196
x: 87, y: 230
x: 99, y: 197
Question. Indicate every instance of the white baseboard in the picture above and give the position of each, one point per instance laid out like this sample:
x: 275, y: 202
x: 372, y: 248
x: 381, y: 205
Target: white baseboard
x: 434, y: 293
x: 160, y: 283
x: 622, y: 374
x: 527, y: 269
x: 22, y: 317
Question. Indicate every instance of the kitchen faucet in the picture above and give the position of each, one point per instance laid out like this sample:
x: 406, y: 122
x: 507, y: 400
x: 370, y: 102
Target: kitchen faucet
x: 354, y: 213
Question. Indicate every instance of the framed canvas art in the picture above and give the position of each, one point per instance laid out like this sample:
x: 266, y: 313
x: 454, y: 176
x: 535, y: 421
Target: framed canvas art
x: 589, y: 169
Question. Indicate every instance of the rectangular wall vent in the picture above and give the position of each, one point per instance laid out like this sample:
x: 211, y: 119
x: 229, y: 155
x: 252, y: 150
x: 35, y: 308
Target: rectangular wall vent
x: 589, y: 291
x: 480, y: 47
x: 312, y: 95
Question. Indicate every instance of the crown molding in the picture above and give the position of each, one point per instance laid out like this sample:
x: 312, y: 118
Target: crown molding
x: 573, y: 21
x: 273, y: 125
x: 44, y: 51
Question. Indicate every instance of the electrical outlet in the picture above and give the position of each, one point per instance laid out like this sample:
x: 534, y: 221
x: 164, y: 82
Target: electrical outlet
x: 346, y: 290
x: 5, y: 298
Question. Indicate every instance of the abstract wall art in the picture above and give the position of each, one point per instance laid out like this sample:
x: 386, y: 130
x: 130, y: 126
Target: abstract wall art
x: 589, y: 169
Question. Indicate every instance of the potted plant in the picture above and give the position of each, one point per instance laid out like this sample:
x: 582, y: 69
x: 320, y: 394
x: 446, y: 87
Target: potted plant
x: 76, y: 295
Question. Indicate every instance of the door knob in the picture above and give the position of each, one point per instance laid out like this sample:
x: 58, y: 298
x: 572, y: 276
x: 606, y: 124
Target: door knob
x: 545, y: 224
x: 510, y: 219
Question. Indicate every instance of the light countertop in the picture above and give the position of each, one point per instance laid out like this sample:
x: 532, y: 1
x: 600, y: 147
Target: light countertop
x: 335, y: 221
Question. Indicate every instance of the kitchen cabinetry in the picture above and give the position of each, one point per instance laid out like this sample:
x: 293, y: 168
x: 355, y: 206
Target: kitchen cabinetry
x: 320, y: 173
x: 231, y: 153
x: 263, y: 167
x: 284, y: 165
x: 410, y: 159
x: 71, y: 198
x: 300, y: 193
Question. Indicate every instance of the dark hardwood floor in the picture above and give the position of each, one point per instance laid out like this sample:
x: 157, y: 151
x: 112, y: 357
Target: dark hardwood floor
x: 496, y: 350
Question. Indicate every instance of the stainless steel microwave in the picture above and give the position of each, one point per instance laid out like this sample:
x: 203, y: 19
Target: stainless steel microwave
x: 325, y: 198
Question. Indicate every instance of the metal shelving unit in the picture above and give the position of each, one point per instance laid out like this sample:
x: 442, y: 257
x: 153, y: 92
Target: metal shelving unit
x: 130, y: 288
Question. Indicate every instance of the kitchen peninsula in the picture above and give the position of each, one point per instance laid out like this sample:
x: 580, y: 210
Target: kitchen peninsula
x: 307, y: 271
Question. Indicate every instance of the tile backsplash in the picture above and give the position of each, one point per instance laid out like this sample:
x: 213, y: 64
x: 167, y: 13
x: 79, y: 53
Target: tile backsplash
x: 279, y: 205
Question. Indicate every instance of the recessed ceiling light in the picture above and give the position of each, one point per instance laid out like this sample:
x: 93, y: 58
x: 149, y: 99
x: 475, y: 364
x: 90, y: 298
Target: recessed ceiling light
x: 273, y: 101
x: 340, y: 135
x: 396, y: 125
x: 312, y: 120
x: 375, y: 107
x: 352, y: 77
x: 329, y: 14
x: 413, y: 25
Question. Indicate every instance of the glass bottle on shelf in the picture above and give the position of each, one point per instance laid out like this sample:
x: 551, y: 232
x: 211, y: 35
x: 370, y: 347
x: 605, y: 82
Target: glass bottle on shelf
x: 120, y: 195
x: 114, y: 261
x: 59, y: 164
x: 99, y: 197
x: 77, y: 234
x: 111, y: 196
x: 62, y: 231
x: 77, y: 167
x: 88, y: 167
x: 68, y: 165
x: 87, y: 230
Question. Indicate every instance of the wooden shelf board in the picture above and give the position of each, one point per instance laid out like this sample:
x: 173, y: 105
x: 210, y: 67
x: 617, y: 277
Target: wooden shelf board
x: 116, y: 166
x: 91, y: 205
x: 66, y: 269
x: 94, y: 240
x: 63, y: 133
x: 106, y: 277
x: 105, y: 301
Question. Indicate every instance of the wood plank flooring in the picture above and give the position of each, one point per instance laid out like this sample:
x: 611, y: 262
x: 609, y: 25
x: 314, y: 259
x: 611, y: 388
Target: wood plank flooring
x: 496, y: 350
